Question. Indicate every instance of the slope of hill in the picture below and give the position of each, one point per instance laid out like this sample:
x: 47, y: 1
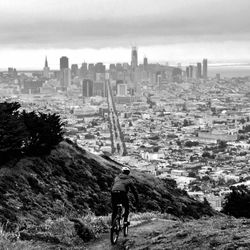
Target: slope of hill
x: 70, y: 182
x: 207, y: 233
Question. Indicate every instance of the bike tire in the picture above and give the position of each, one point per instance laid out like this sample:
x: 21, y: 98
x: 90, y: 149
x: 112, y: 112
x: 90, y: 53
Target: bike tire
x: 125, y: 231
x: 114, y: 231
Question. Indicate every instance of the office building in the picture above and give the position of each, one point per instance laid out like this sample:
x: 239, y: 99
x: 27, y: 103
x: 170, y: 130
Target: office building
x: 64, y: 62
x: 145, y: 63
x: 112, y: 67
x: 91, y: 67
x: 83, y: 70
x: 187, y: 72
x: 65, y: 75
x: 125, y: 66
x: 12, y: 72
x: 87, y: 88
x: 74, y: 70
x: 122, y: 89
x: 205, y: 68
x: 99, y: 89
x: 134, y: 58
x: 191, y: 71
x: 198, y: 70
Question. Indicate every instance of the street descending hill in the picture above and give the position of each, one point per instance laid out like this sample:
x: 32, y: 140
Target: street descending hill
x: 71, y: 182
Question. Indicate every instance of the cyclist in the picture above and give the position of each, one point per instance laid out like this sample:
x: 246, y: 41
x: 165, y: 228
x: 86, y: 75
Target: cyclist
x: 119, y: 193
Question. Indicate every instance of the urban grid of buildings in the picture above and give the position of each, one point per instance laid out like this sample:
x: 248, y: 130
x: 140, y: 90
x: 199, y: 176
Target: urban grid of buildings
x: 171, y: 122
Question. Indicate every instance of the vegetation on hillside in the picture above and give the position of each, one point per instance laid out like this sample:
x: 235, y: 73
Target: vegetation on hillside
x: 27, y: 133
x: 237, y: 203
x: 70, y: 182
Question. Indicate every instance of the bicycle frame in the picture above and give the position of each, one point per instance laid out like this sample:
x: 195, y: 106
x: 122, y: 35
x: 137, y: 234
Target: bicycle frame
x: 118, y: 225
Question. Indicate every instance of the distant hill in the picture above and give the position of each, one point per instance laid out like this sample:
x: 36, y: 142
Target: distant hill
x: 71, y: 181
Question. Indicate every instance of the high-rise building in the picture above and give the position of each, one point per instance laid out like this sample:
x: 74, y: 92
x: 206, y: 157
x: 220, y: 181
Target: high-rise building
x: 65, y: 78
x: 125, y: 66
x: 46, y: 69
x: 83, y: 70
x: 187, y: 72
x: 145, y: 63
x: 65, y: 75
x: 119, y: 67
x: 99, y: 89
x: 122, y: 89
x: 205, y: 68
x: 191, y: 71
x: 91, y: 67
x: 74, y: 70
x: 112, y: 67
x: 158, y: 78
x: 134, y: 58
x: 12, y: 72
x: 198, y: 70
x: 87, y: 88
x: 64, y: 62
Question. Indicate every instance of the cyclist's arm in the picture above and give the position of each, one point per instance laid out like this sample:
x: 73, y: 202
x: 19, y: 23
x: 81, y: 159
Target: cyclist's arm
x: 134, y: 191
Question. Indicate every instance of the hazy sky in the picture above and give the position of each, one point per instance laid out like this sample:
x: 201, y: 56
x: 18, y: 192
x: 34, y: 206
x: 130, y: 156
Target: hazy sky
x: 104, y: 30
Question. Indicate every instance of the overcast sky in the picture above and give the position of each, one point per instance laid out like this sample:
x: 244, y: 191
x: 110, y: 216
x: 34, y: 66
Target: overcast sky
x: 104, y: 30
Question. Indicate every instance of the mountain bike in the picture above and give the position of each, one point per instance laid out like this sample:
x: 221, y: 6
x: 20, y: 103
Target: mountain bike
x: 118, y: 225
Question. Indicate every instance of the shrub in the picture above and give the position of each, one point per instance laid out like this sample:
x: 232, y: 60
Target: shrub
x: 191, y: 144
x: 12, y: 131
x: 27, y: 133
x: 44, y: 132
x: 237, y: 202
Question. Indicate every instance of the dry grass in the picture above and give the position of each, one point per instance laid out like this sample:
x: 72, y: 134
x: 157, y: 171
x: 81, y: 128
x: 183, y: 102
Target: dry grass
x: 64, y: 231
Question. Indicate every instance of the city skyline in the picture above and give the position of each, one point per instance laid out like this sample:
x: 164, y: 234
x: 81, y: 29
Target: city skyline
x: 94, y: 31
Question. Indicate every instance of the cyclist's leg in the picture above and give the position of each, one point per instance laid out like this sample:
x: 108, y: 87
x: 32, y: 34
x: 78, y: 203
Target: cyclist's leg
x: 126, y: 206
x: 115, y: 199
x: 114, y: 207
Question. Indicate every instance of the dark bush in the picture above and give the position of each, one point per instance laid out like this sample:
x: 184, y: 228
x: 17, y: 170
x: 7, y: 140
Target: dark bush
x: 237, y: 203
x: 12, y: 131
x: 27, y: 133
x: 44, y: 132
x: 191, y: 144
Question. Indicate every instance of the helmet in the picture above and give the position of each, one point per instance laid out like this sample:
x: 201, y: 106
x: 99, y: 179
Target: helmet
x: 126, y: 170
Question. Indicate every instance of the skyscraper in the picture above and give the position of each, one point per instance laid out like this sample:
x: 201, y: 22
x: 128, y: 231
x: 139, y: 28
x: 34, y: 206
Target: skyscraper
x: 187, y: 71
x: 87, y: 88
x: 191, y: 70
x: 46, y: 69
x: 198, y: 70
x: 205, y: 68
x: 64, y: 62
x: 134, y: 58
x: 83, y: 70
x: 65, y: 76
x: 122, y: 88
x: 74, y: 70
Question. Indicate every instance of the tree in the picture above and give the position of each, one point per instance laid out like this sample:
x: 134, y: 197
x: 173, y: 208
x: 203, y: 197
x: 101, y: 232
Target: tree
x: 44, y: 132
x: 27, y: 133
x: 186, y: 123
x: 237, y: 202
x: 191, y: 143
x: 222, y: 144
x: 12, y: 131
x: 192, y: 174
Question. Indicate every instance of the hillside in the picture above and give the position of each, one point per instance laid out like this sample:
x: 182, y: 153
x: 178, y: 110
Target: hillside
x: 71, y: 182
x: 224, y: 233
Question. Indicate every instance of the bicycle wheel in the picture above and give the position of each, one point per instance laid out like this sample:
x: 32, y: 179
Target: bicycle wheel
x: 114, y: 232
x: 125, y: 231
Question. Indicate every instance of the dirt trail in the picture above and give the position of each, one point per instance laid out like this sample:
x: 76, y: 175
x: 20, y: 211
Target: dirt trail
x: 137, y: 236
x: 222, y: 233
